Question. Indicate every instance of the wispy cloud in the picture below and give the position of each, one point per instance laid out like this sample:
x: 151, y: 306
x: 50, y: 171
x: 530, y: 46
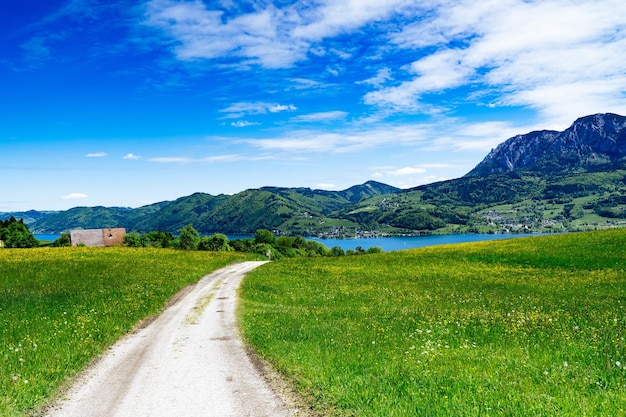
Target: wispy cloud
x: 326, y: 116
x: 453, y: 135
x: 46, y: 36
x: 481, y: 136
x: 237, y: 110
x: 531, y: 57
x: 201, y: 33
x: 306, y: 84
x: 268, y: 36
x: 525, y: 54
x: 36, y: 52
x: 405, y: 171
x: 74, y: 196
x: 244, y: 123
x: 341, y: 140
x: 276, y: 108
x: 406, y: 177
x: 96, y: 155
x: 382, y: 76
x: 132, y: 157
x: 206, y: 159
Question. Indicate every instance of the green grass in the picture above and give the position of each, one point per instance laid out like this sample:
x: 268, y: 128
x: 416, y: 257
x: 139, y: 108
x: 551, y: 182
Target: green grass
x: 519, y: 327
x: 62, y: 307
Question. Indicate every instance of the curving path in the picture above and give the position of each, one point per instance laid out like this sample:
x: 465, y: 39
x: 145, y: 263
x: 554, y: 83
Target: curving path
x: 187, y: 362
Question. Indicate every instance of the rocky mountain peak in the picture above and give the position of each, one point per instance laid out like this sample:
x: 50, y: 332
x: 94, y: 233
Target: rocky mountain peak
x: 591, y: 142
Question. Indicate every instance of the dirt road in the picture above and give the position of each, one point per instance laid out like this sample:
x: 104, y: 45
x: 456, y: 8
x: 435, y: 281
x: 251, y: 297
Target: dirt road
x: 187, y: 362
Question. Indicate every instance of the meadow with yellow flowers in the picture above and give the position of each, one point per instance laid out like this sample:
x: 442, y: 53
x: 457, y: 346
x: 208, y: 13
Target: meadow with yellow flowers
x: 531, y: 326
x: 62, y: 307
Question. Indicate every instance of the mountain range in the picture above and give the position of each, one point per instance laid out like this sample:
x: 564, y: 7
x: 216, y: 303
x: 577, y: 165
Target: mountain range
x: 539, y: 181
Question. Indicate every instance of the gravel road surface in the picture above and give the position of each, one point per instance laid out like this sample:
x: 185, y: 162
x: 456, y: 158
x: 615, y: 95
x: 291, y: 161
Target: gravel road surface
x: 187, y: 362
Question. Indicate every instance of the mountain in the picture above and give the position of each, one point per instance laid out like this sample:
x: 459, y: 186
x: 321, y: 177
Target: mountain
x: 28, y: 217
x: 292, y: 210
x: 367, y: 190
x: 93, y: 218
x: 539, y: 181
x: 591, y: 143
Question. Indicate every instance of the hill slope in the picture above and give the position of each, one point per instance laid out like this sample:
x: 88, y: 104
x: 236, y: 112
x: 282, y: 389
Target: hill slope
x: 291, y: 210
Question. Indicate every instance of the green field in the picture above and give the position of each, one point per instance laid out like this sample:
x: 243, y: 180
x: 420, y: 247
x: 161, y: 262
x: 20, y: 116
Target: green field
x: 61, y: 307
x: 520, y: 327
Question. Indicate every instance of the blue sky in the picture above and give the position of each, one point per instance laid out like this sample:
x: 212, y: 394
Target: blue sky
x: 131, y: 102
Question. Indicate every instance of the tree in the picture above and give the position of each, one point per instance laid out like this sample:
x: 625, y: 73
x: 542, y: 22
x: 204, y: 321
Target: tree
x: 217, y: 242
x: 299, y: 242
x: 134, y: 240
x: 359, y: 250
x: 264, y: 236
x: 15, y: 234
x: 266, y: 249
x: 159, y: 239
x: 189, y: 238
x: 63, y: 241
x: 243, y: 245
x: 337, y: 251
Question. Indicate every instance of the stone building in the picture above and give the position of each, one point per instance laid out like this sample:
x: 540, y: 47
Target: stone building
x: 98, y: 237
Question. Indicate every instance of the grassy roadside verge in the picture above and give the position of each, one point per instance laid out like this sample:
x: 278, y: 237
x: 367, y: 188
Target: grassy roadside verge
x: 61, y: 307
x: 520, y: 327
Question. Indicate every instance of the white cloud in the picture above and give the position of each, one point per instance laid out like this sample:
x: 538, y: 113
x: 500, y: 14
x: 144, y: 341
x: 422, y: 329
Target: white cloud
x: 563, y: 58
x: 276, y: 108
x: 171, y: 160
x: 447, y: 134
x: 338, y: 16
x: 407, y: 171
x: 74, y: 196
x: 481, y: 136
x: 236, y: 110
x: 411, y: 176
x: 305, y: 84
x: 131, y: 157
x: 326, y: 116
x: 207, y: 159
x: 244, y: 123
x: 382, y: 76
x: 261, y: 37
x: 269, y: 36
x: 96, y: 155
x: 398, y: 172
x: 559, y: 58
x: 521, y: 51
x: 342, y: 140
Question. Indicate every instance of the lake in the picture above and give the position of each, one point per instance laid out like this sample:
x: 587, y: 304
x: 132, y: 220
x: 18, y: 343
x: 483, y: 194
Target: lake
x: 387, y: 244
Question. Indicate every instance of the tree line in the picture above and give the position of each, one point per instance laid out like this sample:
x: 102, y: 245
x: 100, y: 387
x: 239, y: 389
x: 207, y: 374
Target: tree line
x: 264, y: 242
x: 15, y: 234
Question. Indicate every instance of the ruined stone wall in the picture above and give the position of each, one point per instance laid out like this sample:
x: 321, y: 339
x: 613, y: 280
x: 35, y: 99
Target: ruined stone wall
x: 98, y: 237
x: 112, y: 237
x: 89, y: 237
